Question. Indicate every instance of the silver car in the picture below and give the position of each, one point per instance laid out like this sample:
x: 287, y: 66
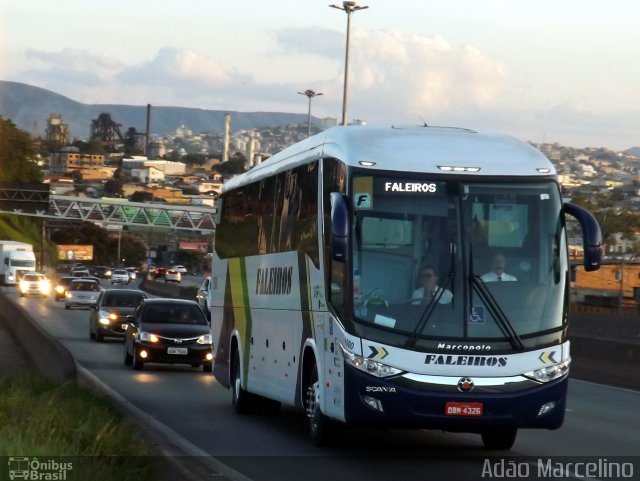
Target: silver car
x: 82, y: 293
x: 119, y: 276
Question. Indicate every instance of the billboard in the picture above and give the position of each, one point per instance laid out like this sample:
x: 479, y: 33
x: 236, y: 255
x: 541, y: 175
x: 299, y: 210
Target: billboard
x: 194, y: 246
x: 75, y: 253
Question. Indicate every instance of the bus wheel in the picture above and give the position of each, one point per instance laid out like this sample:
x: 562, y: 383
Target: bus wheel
x: 319, y: 424
x: 499, y: 438
x: 240, y: 399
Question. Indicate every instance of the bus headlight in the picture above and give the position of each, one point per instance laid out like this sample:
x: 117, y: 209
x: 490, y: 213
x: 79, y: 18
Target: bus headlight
x: 549, y: 373
x: 375, y: 368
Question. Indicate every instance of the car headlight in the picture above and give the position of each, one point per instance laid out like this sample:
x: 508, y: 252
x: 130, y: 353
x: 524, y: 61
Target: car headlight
x: 45, y: 287
x: 107, y: 317
x: 549, y: 373
x: 148, y: 337
x: 59, y: 289
x: 68, y: 295
x: 205, y: 339
x: 369, y: 366
x: 24, y: 286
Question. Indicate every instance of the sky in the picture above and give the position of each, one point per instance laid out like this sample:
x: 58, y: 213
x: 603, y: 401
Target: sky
x: 565, y: 71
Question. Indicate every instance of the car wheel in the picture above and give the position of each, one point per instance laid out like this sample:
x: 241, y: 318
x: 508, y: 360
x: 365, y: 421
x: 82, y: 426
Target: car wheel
x: 99, y: 337
x: 66, y: 307
x: 128, y: 358
x: 207, y: 367
x: 319, y: 425
x: 499, y: 438
x: 138, y: 365
x: 91, y: 333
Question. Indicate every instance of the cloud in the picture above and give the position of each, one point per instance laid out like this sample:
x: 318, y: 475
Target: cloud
x: 175, y: 67
x: 69, y: 69
x: 420, y: 75
x: 395, y: 77
x: 316, y: 41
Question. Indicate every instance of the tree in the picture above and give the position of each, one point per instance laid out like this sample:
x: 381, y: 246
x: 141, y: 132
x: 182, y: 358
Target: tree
x: 93, y: 147
x: 113, y: 188
x: 197, y: 159
x: 17, y: 154
x: 141, y: 196
x: 233, y: 166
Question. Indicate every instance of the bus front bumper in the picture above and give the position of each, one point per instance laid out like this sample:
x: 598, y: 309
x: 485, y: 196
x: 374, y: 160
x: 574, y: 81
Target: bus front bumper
x: 404, y: 402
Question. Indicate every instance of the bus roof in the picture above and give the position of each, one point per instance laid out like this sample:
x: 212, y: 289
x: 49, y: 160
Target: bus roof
x: 409, y: 149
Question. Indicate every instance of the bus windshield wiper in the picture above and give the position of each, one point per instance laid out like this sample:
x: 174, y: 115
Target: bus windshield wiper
x: 430, y: 307
x: 501, y: 318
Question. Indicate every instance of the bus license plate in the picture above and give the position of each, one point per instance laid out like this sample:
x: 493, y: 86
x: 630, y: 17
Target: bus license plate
x: 178, y: 350
x: 463, y: 409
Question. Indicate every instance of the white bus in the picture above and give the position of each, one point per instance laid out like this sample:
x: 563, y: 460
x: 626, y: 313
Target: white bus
x: 315, y: 292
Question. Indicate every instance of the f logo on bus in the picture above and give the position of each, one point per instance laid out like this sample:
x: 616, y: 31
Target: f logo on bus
x: 363, y: 201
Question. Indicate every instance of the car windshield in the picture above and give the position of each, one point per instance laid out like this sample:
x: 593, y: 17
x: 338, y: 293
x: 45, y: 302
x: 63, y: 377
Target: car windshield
x: 120, y: 299
x: 34, y: 277
x: 173, y: 314
x: 84, y: 286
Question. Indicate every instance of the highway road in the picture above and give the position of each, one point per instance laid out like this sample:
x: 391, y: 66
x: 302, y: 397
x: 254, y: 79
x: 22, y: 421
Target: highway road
x: 602, y: 422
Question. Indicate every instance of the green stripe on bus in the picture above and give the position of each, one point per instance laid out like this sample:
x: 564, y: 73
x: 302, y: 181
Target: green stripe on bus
x: 240, y: 299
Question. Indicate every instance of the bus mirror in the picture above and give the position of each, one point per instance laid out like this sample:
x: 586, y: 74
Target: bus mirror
x: 591, y: 236
x: 339, y: 227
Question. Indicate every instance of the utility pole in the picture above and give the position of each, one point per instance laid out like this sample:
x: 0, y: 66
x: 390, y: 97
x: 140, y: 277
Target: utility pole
x: 348, y: 7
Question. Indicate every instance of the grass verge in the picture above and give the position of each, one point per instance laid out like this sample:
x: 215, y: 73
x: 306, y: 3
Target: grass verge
x: 39, y: 417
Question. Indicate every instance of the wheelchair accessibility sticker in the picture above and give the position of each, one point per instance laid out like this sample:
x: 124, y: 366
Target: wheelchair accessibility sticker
x: 476, y: 316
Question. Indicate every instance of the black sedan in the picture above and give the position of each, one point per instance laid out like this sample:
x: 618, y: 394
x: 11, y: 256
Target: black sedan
x: 61, y: 287
x: 111, y: 311
x: 170, y: 331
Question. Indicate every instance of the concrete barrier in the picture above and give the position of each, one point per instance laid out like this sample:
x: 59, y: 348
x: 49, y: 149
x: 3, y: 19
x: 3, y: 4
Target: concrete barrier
x: 43, y: 350
x: 605, y: 347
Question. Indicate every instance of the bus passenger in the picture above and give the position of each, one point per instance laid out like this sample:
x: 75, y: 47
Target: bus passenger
x: 429, y: 288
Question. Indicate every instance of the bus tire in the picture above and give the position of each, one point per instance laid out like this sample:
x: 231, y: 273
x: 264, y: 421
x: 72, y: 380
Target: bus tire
x: 499, y: 438
x: 240, y: 398
x: 318, y: 424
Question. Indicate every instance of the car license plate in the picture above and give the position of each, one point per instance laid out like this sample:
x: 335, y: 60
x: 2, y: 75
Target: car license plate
x: 463, y: 409
x: 177, y: 350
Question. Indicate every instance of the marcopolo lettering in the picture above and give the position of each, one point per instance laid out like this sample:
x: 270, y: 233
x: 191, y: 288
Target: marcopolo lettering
x: 274, y: 281
x: 464, y: 347
x: 424, y: 187
x: 490, y: 361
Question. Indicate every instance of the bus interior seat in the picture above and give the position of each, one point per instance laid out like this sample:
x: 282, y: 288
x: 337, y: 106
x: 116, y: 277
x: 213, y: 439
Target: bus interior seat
x: 387, y: 274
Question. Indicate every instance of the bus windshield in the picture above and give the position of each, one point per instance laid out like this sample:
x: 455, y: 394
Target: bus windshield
x: 458, y: 260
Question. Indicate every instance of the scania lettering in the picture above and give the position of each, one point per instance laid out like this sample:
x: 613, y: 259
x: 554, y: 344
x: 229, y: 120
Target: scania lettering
x: 317, y: 300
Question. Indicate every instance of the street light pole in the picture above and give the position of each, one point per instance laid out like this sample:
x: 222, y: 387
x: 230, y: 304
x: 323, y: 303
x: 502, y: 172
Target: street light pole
x: 348, y: 7
x: 310, y: 94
